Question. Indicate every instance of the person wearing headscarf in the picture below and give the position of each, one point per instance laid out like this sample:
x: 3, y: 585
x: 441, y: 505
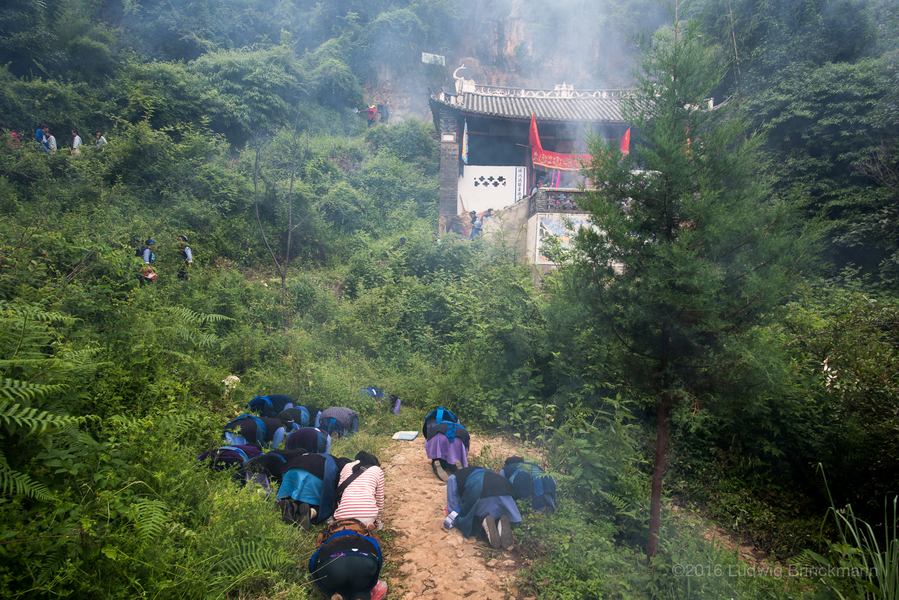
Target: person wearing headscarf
x: 271, y: 405
x: 446, y: 442
x: 360, y: 491
x: 300, y: 416
x: 187, y: 257
x: 266, y: 467
x: 229, y: 457
x: 147, y: 272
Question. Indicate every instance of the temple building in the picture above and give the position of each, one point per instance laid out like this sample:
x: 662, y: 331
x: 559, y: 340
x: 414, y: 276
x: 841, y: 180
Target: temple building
x: 517, y: 151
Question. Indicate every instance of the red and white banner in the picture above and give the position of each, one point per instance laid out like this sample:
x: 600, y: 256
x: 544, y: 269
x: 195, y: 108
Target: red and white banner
x: 552, y: 160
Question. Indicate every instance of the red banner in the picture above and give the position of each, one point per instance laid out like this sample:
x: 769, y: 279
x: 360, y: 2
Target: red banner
x: 533, y: 135
x: 626, y: 142
x: 555, y: 160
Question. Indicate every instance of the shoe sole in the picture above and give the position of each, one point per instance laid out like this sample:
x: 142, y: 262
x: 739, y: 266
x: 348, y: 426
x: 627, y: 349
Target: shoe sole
x: 505, y: 533
x: 304, y: 521
x: 439, y: 472
x: 288, y: 512
x: 493, y: 534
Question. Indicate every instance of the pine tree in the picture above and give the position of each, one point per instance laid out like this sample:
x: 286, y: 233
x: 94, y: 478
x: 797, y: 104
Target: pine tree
x: 691, y: 250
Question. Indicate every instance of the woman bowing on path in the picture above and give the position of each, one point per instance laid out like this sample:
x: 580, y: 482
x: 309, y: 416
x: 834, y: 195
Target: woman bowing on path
x: 348, y: 562
x: 360, y: 493
x: 476, y: 495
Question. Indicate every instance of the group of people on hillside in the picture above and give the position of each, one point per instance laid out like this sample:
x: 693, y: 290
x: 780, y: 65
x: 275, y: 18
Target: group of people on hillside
x: 46, y: 141
x: 146, y: 251
x: 290, y: 444
x: 478, y: 496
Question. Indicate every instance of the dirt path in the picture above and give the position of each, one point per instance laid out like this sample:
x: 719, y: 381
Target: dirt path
x: 435, y: 563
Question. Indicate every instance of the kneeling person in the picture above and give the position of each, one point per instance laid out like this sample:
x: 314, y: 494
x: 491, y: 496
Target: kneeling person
x: 476, y: 495
x: 348, y: 562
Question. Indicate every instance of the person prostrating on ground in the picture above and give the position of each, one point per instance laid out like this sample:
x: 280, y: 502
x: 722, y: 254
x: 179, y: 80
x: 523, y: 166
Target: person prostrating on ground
x: 360, y: 493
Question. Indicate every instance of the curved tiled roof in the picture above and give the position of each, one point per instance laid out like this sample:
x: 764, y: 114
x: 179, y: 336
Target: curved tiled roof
x: 547, y: 106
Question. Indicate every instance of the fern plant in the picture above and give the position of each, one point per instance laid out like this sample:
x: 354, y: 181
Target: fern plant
x: 13, y: 482
x: 30, y: 378
x: 149, y: 517
x: 249, y: 556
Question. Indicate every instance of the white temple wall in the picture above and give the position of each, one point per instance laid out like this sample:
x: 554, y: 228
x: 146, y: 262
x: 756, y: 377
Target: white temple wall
x: 481, y: 188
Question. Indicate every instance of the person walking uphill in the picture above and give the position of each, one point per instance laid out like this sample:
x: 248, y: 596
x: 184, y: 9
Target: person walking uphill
x: 187, y: 255
x: 145, y: 252
x: 40, y: 136
x: 76, y: 142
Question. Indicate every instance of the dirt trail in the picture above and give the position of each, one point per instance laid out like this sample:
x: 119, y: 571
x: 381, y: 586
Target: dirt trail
x: 435, y: 563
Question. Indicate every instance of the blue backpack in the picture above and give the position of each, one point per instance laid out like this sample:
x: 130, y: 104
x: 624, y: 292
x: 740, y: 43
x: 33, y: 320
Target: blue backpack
x: 443, y: 416
x: 260, y: 428
x: 379, y: 394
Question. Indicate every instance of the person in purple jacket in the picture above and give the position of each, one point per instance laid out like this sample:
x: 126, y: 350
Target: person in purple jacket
x: 446, y: 442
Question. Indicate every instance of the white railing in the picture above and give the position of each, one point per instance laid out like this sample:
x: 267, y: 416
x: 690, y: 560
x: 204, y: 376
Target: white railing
x: 561, y: 91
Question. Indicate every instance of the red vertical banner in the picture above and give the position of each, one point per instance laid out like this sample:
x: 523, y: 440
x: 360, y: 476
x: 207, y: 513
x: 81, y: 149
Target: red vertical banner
x: 626, y: 142
x: 534, y: 136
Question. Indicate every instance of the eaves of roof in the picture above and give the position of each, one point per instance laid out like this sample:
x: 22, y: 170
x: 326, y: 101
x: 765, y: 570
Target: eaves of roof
x: 589, y: 109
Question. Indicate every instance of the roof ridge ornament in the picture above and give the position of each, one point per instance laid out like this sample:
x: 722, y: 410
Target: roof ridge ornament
x: 564, y: 90
x: 463, y: 85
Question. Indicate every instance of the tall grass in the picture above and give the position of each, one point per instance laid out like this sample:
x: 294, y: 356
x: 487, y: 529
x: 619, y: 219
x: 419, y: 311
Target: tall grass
x: 858, y: 564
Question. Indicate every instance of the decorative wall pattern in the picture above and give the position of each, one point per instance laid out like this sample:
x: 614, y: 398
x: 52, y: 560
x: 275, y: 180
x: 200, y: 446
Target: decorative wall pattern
x: 483, y: 187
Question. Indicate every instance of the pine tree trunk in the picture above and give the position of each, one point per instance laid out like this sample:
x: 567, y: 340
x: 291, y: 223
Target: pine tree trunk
x: 655, y: 499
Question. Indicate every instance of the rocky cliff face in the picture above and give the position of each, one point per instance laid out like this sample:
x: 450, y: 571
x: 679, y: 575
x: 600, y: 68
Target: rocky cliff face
x: 521, y: 43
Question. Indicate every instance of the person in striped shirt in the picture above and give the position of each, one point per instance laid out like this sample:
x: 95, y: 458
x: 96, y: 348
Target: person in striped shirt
x: 360, y: 492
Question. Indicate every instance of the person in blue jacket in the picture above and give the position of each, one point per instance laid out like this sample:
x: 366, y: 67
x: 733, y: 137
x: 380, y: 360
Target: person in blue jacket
x: 230, y: 457
x: 307, y: 488
x: 250, y: 429
x: 311, y: 438
x: 41, y: 136
x: 476, y: 495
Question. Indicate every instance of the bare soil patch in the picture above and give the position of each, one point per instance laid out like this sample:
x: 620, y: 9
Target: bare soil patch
x: 435, y: 563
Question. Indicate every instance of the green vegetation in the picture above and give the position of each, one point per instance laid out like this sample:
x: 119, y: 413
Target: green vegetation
x: 692, y: 253
x: 232, y: 118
